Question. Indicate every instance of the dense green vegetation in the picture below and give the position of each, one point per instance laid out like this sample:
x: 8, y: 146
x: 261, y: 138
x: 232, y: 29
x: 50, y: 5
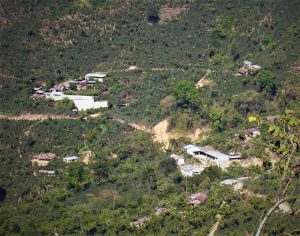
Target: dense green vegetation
x: 128, y: 178
x: 46, y: 42
x: 56, y: 41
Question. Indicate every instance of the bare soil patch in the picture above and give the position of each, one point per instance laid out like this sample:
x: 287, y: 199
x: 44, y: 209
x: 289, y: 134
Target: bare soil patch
x: 31, y: 116
x: 168, y: 12
x: 161, y: 134
x: 87, y: 156
x: 202, y: 82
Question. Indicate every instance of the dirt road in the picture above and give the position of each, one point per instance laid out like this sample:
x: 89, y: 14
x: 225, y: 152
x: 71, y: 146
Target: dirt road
x: 202, y: 81
x: 32, y: 116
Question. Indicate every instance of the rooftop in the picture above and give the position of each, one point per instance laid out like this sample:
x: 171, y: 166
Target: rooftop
x: 71, y: 158
x: 96, y: 75
x: 44, y: 156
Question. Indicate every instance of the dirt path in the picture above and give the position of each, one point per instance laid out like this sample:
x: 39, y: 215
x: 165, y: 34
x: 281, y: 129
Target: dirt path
x: 134, y: 125
x: 159, y: 131
x: 140, y: 127
x: 31, y: 116
x: 202, y: 81
x: 133, y: 68
x: 215, y: 226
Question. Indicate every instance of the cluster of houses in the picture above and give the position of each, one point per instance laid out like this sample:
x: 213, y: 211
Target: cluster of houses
x: 140, y: 222
x: 43, y: 159
x: 246, y: 136
x: 208, y: 153
x: 207, y: 156
x: 82, y: 103
x: 249, y: 68
x: 194, y: 199
x: 186, y: 169
x: 144, y: 219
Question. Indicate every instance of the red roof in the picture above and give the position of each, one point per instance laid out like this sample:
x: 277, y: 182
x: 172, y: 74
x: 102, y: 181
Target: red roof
x: 44, y: 156
x: 197, y: 198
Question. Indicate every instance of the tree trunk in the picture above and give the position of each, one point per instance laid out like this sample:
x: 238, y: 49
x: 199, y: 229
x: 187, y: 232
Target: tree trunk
x: 262, y: 223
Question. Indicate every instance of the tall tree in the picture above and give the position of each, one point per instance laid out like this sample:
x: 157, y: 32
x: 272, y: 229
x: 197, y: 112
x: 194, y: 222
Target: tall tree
x: 285, y: 142
x: 266, y: 82
x: 187, y: 95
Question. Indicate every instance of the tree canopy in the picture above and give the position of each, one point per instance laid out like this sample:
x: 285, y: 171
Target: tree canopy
x: 187, y: 95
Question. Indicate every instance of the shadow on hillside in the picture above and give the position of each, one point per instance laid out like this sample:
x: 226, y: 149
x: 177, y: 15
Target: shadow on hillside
x: 2, y: 194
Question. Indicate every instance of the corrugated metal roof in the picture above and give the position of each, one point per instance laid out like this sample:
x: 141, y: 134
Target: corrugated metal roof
x: 189, y: 146
x: 95, y: 75
x: 194, y: 149
x: 71, y: 158
x: 248, y: 63
x: 218, y: 155
x: 190, y: 169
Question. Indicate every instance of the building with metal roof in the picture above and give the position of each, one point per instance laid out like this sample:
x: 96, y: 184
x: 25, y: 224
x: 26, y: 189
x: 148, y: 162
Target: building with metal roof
x: 189, y: 170
x: 70, y: 159
x: 207, y: 151
x: 95, y: 76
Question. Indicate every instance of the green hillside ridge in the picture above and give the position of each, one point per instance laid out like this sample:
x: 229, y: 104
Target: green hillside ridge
x: 111, y: 35
x: 166, y: 60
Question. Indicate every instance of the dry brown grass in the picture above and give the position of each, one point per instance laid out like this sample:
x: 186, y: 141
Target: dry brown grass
x: 168, y: 12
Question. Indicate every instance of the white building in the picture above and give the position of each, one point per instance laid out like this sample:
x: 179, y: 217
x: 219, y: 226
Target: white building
x: 69, y: 159
x: 237, y: 184
x: 189, y: 171
x: 95, y: 76
x: 179, y: 159
x: 48, y: 172
x: 82, y: 103
x: 207, y: 152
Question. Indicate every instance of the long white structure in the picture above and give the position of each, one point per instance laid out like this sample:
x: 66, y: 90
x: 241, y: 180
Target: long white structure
x: 96, y: 76
x: 206, y: 152
x: 82, y: 103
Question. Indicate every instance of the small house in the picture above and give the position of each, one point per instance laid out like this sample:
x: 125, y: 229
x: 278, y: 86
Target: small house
x: 237, y: 183
x: 161, y: 210
x: 189, y: 170
x: 253, y: 132
x: 48, y: 172
x: 69, y: 159
x: 249, y: 68
x: 74, y: 82
x: 58, y: 88
x: 179, y: 159
x: 243, y: 71
x: 44, y: 156
x: 197, y: 198
x: 42, y: 159
x: 235, y: 155
x: 247, y: 63
x: 38, y: 93
x: 95, y: 76
x: 140, y: 222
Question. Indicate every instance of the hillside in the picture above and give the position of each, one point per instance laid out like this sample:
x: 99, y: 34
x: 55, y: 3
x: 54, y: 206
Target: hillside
x: 222, y: 77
